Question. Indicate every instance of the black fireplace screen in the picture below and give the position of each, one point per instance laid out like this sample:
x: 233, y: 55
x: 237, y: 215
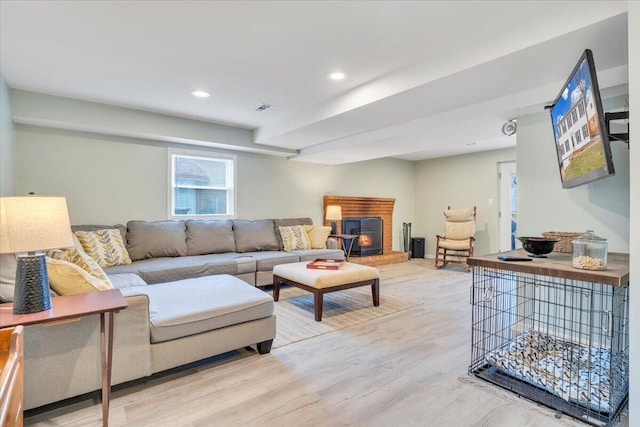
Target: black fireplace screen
x: 369, y: 232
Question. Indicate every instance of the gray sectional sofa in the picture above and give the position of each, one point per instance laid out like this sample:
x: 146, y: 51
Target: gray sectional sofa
x: 191, y: 292
x: 165, y: 251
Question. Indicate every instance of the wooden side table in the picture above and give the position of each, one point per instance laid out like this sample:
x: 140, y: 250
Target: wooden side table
x: 70, y: 308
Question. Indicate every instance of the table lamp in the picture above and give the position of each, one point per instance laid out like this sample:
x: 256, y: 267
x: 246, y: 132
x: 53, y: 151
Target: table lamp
x: 334, y: 213
x: 29, y: 224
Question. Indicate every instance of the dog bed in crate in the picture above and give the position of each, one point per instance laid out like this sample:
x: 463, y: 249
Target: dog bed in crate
x: 589, y: 376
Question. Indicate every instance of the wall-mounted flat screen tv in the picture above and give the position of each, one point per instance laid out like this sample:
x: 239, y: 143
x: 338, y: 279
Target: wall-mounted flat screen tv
x: 579, y: 126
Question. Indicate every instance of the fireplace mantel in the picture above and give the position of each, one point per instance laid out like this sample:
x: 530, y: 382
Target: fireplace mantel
x: 366, y: 207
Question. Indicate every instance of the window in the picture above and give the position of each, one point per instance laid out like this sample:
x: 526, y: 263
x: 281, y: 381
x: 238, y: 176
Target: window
x: 585, y: 132
x: 201, y: 185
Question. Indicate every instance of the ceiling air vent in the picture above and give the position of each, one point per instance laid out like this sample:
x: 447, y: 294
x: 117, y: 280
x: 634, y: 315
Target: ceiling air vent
x: 264, y: 107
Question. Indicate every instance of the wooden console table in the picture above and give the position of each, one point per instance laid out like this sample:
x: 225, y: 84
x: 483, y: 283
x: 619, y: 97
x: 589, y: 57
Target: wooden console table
x: 70, y: 308
x: 558, y: 264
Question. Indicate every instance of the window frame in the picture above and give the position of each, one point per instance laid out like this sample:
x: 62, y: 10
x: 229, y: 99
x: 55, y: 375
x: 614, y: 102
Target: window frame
x: 231, y: 211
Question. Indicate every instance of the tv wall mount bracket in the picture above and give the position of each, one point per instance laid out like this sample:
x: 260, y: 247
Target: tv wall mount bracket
x: 608, y: 117
x: 622, y: 115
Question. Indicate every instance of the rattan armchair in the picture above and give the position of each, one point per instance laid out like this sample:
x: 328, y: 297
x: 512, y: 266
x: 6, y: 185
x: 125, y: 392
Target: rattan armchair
x: 456, y: 245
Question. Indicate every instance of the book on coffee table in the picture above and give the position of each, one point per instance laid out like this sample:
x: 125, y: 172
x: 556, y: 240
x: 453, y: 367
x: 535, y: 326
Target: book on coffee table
x: 325, y: 264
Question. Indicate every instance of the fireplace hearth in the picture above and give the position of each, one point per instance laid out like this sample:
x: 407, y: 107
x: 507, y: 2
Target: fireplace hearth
x: 369, y: 232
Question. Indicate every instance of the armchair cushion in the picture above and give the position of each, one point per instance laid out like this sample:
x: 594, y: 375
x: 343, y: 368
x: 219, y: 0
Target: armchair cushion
x: 459, y: 215
x: 459, y: 230
x: 457, y: 245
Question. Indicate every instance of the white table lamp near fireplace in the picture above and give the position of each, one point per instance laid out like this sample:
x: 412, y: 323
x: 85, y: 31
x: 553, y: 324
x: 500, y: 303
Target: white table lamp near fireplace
x: 29, y: 224
x: 334, y: 213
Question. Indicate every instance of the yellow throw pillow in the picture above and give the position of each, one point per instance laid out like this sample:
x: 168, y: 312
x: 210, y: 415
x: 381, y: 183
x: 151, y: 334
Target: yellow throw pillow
x: 67, y: 279
x: 318, y: 235
x: 105, y: 246
x: 294, y: 238
x: 80, y: 259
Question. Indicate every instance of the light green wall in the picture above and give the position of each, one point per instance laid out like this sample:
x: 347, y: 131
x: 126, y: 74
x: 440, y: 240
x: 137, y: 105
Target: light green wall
x: 543, y: 205
x: 7, y: 144
x: 634, y: 246
x: 109, y: 179
x: 459, y: 181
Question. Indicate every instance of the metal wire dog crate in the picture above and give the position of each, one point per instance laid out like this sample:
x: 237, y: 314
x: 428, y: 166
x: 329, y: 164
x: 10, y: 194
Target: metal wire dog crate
x: 559, y: 341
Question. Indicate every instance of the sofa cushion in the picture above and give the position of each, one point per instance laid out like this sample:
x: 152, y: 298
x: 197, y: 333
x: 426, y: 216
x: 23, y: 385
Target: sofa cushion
x: 91, y: 227
x: 169, y: 269
x: 294, y: 237
x: 318, y: 235
x: 126, y: 280
x: 156, y: 239
x: 81, y: 259
x: 8, y: 267
x: 266, y: 260
x: 254, y: 236
x: 311, y: 254
x: 192, y: 306
x: 288, y: 222
x: 67, y: 278
x: 210, y: 237
x: 104, y: 246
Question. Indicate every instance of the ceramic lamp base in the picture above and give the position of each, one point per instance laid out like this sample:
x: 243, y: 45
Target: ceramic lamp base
x: 31, y: 292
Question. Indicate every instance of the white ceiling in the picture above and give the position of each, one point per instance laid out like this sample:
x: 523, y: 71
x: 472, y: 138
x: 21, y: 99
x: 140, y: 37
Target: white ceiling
x: 426, y: 78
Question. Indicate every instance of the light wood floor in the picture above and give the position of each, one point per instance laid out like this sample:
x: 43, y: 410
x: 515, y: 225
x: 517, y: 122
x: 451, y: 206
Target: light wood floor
x: 403, y: 369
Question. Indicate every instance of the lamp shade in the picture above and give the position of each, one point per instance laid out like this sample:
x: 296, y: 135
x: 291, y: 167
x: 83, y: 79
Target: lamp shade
x: 32, y: 223
x: 334, y: 213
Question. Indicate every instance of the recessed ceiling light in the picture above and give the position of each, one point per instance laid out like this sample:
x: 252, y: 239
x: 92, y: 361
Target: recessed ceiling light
x: 200, y: 94
x: 337, y: 75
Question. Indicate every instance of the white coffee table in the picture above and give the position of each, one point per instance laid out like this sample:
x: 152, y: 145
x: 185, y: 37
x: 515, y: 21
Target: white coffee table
x: 320, y: 282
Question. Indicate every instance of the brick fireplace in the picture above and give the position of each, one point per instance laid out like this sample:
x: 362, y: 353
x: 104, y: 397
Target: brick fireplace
x: 360, y: 207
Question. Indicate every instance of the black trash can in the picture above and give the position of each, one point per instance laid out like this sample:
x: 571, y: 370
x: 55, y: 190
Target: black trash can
x: 417, y: 247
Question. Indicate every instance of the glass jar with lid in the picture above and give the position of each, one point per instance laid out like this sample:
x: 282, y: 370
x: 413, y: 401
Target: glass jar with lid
x: 590, y: 252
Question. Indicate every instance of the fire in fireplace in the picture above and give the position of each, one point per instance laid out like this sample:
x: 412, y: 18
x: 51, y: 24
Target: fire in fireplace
x: 369, y: 232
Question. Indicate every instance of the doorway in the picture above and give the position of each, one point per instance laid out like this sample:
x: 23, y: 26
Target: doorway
x: 507, y: 213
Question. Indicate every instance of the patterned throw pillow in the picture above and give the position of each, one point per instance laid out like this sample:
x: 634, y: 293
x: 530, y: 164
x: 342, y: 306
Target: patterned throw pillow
x: 105, y: 246
x: 67, y: 278
x: 318, y: 235
x: 294, y: 238
x: 80, y: 259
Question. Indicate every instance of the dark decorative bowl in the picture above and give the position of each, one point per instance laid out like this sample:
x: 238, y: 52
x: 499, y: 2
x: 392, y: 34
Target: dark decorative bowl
x: 538, y: 246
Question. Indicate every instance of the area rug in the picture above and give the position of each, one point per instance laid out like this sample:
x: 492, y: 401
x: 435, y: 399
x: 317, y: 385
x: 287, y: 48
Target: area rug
x: 295, y: 313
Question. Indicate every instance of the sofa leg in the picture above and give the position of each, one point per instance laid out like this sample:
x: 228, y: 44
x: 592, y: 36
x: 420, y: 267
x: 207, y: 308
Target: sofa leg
x: 264, y: 347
